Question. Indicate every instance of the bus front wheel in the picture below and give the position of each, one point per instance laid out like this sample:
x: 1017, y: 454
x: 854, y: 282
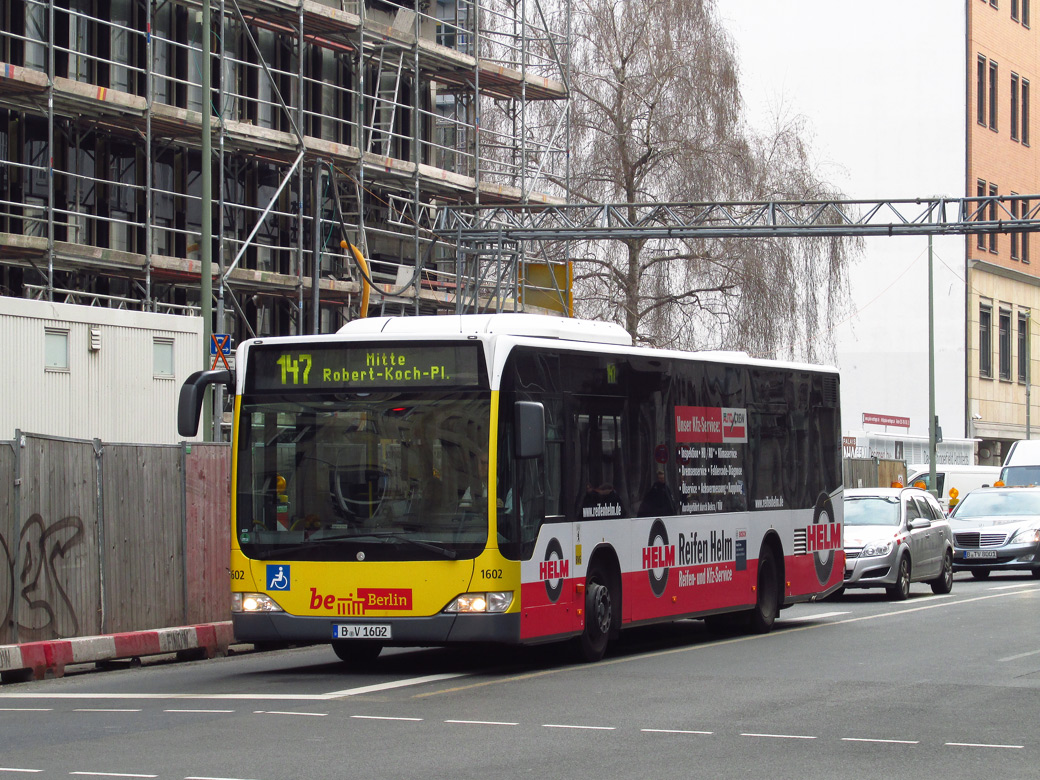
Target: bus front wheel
x: 599, y: 615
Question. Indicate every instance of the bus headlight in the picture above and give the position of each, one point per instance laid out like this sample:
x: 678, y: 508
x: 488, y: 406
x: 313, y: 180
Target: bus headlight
x: 497, y: 601
x: 253, y: 602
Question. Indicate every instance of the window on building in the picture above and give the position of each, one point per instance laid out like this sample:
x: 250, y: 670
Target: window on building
x: 1024, y: 112
x: 993, y: 216
x: 56, y: 349
x: 1004, y: 344
x: 980, y: 214
x: 992, y: 95
x: 1014, y: 10
x: 162, y: 358
x: 985, y: 341
x: 980, y: 91
x: 1025, y: 13
x: 1023, y: 346
x: 1014, y: 106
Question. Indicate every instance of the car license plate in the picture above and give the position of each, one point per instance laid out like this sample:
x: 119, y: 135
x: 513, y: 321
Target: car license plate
x: 358, y: 631
x: 980, y: 554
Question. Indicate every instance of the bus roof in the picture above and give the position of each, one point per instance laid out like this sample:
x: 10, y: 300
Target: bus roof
x: 509, y: 324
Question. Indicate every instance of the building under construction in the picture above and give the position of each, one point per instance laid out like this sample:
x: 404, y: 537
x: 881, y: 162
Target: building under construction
x: 333, y: 123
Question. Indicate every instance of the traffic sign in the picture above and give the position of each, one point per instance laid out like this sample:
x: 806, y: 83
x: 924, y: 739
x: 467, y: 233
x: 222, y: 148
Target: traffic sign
x: 221, y: 341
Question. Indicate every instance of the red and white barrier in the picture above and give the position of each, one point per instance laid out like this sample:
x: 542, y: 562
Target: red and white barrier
x: 49, y: 658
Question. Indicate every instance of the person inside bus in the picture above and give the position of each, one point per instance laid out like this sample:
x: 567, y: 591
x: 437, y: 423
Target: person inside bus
x: 658, y: 501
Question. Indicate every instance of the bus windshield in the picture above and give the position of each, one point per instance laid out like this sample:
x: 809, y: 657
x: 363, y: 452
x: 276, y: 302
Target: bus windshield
x: 363, y: 476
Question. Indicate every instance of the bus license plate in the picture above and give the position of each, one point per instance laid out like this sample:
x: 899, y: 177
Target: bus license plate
x: 355, y: 631
x: 970, y: 554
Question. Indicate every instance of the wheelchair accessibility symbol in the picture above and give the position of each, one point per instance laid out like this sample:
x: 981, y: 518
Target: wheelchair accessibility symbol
x: 278, y: 577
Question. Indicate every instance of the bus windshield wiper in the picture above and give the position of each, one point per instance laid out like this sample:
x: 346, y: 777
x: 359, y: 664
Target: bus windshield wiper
x: 444, y: 552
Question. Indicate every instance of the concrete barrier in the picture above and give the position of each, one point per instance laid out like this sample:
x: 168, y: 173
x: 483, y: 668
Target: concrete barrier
x: 38, y: 660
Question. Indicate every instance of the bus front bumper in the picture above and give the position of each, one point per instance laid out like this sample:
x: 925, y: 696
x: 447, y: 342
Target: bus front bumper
x: 441, y: 629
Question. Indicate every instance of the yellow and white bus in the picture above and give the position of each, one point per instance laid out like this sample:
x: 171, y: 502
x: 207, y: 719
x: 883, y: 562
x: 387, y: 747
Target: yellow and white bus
x: 520, y: 479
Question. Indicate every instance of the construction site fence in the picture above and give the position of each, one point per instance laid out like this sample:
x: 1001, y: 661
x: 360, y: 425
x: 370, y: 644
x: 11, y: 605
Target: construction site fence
x: 99, y: 538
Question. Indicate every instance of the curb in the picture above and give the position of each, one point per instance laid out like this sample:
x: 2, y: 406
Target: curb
x: 39, y: 660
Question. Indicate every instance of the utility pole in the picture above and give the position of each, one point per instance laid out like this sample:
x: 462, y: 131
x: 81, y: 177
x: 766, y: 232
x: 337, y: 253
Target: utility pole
x: 206, y: 286
x: 932, y: 433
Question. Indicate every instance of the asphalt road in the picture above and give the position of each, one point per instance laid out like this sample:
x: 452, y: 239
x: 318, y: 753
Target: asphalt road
x: 859, y: 687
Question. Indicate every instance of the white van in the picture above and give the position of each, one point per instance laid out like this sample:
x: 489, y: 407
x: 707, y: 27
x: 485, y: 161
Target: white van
x: 963, y: 478
x: 1022, y: 463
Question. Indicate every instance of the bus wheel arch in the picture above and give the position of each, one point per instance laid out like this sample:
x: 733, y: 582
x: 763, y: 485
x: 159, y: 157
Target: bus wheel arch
x: 602, y: 604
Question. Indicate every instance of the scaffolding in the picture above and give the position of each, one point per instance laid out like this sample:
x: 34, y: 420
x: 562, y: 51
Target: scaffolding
x: 335, y: 123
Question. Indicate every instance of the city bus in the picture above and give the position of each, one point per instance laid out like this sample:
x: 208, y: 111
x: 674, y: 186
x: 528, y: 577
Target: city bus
x: 520, y: 479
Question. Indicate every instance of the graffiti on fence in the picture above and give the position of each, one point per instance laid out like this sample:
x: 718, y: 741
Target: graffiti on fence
x: 45, y: 609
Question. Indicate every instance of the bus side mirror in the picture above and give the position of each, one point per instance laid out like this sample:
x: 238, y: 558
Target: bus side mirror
x: 529, y: 422
x: 189, y: 404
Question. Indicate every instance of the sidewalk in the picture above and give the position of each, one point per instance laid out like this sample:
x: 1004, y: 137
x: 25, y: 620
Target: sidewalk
x: 38, y: 660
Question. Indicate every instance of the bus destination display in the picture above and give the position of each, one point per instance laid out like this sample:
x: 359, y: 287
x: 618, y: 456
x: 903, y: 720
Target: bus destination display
x: 333, y: 367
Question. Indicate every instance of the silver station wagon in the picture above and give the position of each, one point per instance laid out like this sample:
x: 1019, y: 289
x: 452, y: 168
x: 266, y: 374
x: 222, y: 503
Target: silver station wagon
x: 895, y: 536
x: 997, y: 529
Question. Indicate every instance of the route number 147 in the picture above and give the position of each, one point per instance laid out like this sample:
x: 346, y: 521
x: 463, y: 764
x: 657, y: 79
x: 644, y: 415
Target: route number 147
x: 291, y: 368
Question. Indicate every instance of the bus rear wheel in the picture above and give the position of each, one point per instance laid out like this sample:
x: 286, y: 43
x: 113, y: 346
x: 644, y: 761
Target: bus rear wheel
x: 357, y: 652
x: 599, y: 616
x: 767, y: 603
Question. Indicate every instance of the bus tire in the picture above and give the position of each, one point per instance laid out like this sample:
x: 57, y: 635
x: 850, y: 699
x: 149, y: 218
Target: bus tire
x: 767, y: 602
x: 599, y: 615
x: 357, y: 652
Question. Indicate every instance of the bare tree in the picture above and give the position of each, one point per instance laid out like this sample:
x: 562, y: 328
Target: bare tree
x: 657, y: 116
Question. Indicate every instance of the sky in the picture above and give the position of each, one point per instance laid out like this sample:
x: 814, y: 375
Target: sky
x: 883, y: 101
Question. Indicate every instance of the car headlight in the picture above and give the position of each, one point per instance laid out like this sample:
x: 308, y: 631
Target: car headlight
x: 497, y: 601
x: 253, y: 602
x: 1026, y: 536
x: 875, y: 549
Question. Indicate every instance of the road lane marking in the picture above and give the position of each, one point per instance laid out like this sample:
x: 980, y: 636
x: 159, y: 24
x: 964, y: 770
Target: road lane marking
x: 581, y: 728
x: 1011, y: 587
x: 16, y: 769
x: 482, y: 722
x: 882, y: 741
x: 821, y: 616
x: 204, y: 712
x: 983, y: 745
x: 280, y: 712
x: 383, y: 717
x: 674, y: 731
x: 26, y: 709
x: 103, y: 709
x: 1016, y: 657
x: 172, y: 696
x: 394, y: 684
x: 246, y: 696
x: 198, y: 777
x: 108, y: 774
x: 777, y: 736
